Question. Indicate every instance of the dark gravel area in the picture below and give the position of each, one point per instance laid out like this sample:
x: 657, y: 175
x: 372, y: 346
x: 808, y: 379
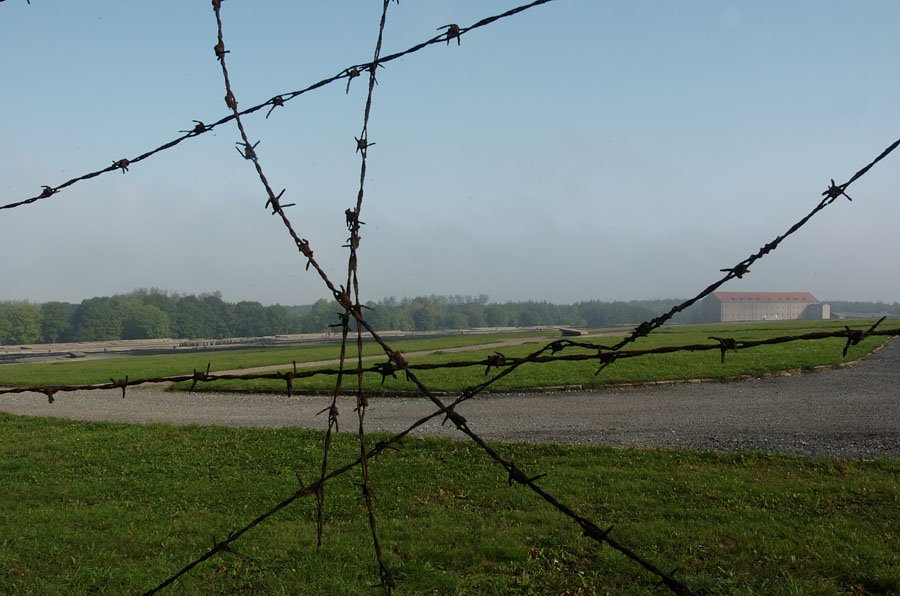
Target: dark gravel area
x: 851, y: 412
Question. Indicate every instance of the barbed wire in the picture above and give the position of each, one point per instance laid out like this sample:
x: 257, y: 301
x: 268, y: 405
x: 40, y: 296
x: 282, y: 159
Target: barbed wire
x: 362, y: 403
x: 279, y: 100
x: 353, y: 308
x: 348, y: 298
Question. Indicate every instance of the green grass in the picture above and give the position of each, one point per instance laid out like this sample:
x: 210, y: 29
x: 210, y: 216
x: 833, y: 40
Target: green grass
x: 89, y: 371
x: 762, y: 360
x: 110, y: 508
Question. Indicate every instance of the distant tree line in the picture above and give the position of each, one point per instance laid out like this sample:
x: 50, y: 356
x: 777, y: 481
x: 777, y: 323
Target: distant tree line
x: 153, y: 314
x: 142, y: 314
x: 426, y: 313
x: 874, y: 308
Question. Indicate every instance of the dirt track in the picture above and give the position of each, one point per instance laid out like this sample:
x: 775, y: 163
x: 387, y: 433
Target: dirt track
x: 850, y: 412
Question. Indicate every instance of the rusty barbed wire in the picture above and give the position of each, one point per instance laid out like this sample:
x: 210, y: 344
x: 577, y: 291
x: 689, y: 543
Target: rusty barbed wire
x: 273, y: 201
x: 396, y: 362
x: 353, y: 225
x: 278, y: 100
x: 249, y: 153
x: 341, y: 296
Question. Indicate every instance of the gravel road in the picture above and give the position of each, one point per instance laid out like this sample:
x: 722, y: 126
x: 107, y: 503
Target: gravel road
x: 852, y: 412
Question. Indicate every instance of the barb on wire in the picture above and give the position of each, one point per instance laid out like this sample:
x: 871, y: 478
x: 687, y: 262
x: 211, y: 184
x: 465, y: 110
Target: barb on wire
x: 249, y: 152
x: 122, y: 384
x: 277, y: 102
x: 199, y: 376
x: 199, y: 128
x: 728, y: 343
x: 346, y: 73
x: 351, y: 73
x: 854, y: 337
x: 452, y: 32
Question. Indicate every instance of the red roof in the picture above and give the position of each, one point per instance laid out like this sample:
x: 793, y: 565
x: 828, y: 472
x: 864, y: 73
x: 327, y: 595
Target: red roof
x: 765, y: 297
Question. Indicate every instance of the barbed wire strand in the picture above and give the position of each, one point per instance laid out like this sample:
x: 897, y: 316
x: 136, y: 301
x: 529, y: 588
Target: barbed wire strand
x: 333, y: 414
x: 273, y: 200
x: 344, y: 299
x: 249, y: 153
x: 278, y: 100
x: 353, y: 224
x: 831, y: 194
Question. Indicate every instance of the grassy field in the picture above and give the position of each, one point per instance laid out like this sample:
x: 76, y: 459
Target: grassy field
x: 88, y: 371
x: 109, y: 508
x: 679, y: 366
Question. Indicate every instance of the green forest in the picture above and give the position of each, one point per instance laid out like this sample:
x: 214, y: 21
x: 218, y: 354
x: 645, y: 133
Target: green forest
x: 154, y: 314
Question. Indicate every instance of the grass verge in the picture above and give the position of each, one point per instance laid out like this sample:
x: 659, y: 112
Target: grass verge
x: 111, y: 508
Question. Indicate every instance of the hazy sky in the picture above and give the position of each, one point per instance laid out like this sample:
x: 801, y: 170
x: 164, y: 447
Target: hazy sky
x: 581, y: 150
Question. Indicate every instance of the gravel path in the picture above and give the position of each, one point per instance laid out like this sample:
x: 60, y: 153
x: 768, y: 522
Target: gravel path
x: 853, y: 412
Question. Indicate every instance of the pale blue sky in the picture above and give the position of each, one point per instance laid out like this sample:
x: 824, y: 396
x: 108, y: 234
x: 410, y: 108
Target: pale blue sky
x: 580, y: 150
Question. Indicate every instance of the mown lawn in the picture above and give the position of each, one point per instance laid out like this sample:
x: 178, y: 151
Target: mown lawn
x: 111, y: 508
x: 90, y: 371
x: 803, y: 355
x: 663, y: 367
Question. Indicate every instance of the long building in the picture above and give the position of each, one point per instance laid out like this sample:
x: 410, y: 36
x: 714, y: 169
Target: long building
x: 723, y: 307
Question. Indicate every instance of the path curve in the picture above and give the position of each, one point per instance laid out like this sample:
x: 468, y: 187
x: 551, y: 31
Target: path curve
x: 849, y: 412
